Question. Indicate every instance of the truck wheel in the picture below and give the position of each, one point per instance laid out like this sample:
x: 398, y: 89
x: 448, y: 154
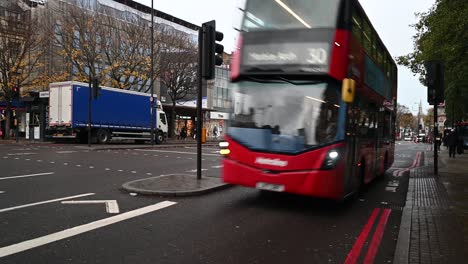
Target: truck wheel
x: 159, y: 138
x: 103, y: 136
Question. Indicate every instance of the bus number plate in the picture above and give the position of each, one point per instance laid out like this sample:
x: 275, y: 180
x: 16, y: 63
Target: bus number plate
x: 270, y: 187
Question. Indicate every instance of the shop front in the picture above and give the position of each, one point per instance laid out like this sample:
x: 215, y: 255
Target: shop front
x: 216, y: 125
x: 36, y: 116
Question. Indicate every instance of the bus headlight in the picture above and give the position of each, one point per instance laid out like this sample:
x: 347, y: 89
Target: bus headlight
x: 332, y: 158
x: 224, y: 148
x: 223, y: 144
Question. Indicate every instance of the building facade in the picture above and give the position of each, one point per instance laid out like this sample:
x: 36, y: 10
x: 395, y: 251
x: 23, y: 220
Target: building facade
x: 215, y: 96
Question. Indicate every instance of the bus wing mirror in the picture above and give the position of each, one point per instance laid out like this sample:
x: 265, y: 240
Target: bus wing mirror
x: 347, y: 90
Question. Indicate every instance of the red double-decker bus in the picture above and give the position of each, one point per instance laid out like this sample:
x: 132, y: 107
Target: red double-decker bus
x: 313, y: 93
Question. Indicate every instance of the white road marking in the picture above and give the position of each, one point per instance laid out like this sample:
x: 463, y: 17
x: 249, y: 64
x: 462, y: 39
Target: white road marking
x: 28, y: 175
x: 36, y: 242
x: 78, y: 165
x: 16, y: 158
x: 65, y: 164
x: 107, y: 169
x: 216, y: 167
x: 20, y: 154
x: 112, y: 207
x: 66, y: 151
x: 120, y: 170
x: 39, y: 160
x: 52, y: 162
x: 28, y: 159
x: 2, y: 192
x: 149, y: 173
x: 177, y: 152
x: 217, y: 149
x: 195, y: 170
x: 44, y: 202
x: 133, y: 172
x: 91, y: 167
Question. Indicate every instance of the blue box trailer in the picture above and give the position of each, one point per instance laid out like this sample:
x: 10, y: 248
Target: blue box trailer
x: 115, y: 115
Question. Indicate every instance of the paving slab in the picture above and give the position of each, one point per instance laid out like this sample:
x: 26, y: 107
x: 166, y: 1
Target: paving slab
x: 434, y: 216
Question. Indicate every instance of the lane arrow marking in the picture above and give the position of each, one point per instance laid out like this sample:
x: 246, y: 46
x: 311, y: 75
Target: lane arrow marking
x: 111, y: 205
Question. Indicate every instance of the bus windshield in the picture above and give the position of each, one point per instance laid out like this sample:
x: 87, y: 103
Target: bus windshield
x: 290, y: 14
x: 286, y: 117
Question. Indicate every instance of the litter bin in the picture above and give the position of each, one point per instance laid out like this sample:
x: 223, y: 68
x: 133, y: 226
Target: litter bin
x: 203, y: 135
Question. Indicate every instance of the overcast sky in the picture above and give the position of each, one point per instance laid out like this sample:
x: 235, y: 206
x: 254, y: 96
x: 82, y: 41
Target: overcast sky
x: 391, y: 18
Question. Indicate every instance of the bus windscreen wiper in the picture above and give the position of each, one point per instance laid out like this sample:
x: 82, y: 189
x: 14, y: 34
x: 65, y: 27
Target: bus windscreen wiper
x: 299, y: 82
x: 279, y: 79
x: 263, y: 69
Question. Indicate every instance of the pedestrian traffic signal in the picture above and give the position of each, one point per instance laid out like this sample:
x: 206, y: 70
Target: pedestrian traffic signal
x: 435, y: 82
x: 212, y: 52
x: 16, y: 92
x: 96, y: 88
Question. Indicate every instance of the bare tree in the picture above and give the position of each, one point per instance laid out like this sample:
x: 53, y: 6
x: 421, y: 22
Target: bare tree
x: 400, y: 111
x: 20, y: 51
x: 79, y: 36
x: 178, y: 67
x: 126, y: 52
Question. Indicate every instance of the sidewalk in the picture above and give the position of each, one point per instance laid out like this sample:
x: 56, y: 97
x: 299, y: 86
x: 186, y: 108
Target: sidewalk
x: 434, y: 224
x: 170, y: 143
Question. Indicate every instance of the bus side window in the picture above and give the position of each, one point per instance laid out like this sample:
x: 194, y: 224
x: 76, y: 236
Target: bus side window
x: 363, y: 124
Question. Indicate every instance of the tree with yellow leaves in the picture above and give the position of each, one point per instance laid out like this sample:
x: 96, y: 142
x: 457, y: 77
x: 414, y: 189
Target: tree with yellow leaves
x: 20, y: 52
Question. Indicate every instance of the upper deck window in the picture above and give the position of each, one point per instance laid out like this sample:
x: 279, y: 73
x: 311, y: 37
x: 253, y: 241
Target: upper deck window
x: 290, y: 14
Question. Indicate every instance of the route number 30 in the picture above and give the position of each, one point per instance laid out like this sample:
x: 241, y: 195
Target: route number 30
x: 317, y: 56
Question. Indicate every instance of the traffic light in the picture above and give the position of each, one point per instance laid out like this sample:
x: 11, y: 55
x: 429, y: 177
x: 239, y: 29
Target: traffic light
x: 16, y: 92
x: 435, y: 82
x: 430, y: 95
x: 212, y: 52
x: 96, y: 88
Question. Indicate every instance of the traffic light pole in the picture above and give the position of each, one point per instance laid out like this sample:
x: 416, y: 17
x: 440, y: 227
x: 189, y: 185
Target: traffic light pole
x: 209, y: 55
x: 16, y: 115
x: 436, y: 142
x: 199, y: 102
x: 152, y: 74
x: 90, y: 96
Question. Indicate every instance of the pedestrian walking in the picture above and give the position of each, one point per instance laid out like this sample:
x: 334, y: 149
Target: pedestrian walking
x: 2, y: 124
x: 452, y: 140
x: 215, y: 131
x: 183, y: 133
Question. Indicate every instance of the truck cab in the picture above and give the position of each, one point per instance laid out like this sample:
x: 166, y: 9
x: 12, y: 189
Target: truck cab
x: 162, y: 123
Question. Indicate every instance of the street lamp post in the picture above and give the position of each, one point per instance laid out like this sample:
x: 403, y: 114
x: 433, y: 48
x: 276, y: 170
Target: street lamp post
x: 453, y: 107
x: 152, y: 73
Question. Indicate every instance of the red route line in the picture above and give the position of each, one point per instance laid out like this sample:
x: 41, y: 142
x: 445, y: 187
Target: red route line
x: 353, y: 255
x: 377, y: 237
x: 416, y: 163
